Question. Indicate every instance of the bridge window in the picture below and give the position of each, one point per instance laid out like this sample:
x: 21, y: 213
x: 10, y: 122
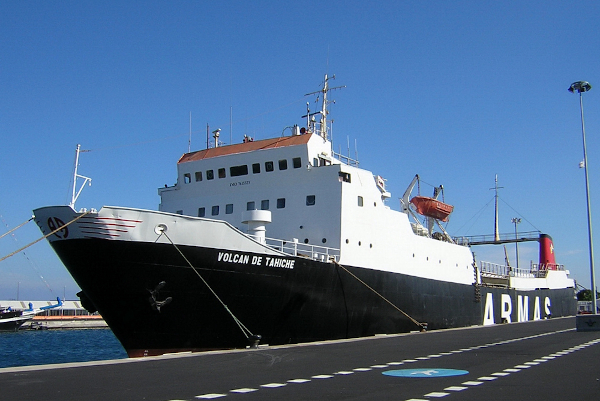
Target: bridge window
x: 238, y: 170
x: 221, y: 173
x: 187, y: 178
x: 264, y: 204
x: 280, y: 203
x: 229, y: 208
x: 269, y: 166
x: 256, y: 168
x: 198, y: 175
x: 210, y: 174
x: 360, y: 201
x: 201, y: 212
x: 250, y: 205
x: 297, y: 162
x: 283, y: 164
x: 215, y: 210
x: 310, y: 200
x: 344, y: 177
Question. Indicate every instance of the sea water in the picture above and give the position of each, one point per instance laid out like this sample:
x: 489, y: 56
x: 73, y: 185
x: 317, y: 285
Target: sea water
x: 42, y: 347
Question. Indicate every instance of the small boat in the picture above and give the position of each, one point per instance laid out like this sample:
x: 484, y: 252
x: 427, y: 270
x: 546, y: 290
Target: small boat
x: 12, y: 319
x: 431, y: 207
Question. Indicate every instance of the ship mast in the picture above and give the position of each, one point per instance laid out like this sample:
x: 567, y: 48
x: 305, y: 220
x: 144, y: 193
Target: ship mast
x: 496, y: 231
x: 74, y: 195
x: 324, y: 111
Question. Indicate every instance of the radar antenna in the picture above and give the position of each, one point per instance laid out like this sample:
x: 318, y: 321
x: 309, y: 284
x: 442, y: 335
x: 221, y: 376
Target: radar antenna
x: 323, y: 124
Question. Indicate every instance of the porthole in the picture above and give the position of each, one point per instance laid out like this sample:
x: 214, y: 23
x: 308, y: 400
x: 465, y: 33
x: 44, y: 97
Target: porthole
x: 359, y: 243
x: 306, y: 240
x: 370, y: 245
x: 347, y: 241
x: 324, y: 240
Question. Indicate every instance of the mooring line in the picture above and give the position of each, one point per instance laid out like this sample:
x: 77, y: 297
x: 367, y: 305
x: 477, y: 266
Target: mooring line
x: 247, y: 333
x: 423, y: 326
x: 16, y: 228
x: 45, y: 236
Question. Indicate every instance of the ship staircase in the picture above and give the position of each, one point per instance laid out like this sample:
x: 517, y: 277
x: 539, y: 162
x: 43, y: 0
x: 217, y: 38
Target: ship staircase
x: 495, y: 275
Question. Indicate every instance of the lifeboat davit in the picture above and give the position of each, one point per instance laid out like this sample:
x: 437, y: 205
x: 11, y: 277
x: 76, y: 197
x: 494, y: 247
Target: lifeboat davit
x: 432, y: 207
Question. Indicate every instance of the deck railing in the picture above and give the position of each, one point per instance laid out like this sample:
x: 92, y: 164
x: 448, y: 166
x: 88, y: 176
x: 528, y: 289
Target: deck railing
x: 295, y: 248
x: 535, y: 270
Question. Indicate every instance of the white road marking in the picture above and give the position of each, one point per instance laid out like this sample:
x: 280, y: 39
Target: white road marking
x: 455, y: 388
x: 298, y: 381
x: 436, y: 395
x: 243, y: 390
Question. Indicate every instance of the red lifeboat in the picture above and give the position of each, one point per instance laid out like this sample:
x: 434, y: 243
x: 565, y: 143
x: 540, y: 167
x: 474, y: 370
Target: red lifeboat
x: 432, y: 207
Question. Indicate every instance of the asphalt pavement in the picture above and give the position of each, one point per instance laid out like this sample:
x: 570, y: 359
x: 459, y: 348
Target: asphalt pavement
x: 541, y: 360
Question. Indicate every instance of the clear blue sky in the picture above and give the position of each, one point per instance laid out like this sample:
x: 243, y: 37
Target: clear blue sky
x: 456, y: 91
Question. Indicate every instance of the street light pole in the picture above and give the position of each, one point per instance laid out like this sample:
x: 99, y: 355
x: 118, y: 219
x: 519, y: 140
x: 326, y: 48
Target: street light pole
x: 580, y: 87
x: 516, y: 221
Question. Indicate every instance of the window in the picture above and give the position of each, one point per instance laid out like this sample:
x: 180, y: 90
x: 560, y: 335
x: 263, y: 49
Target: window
x: 315, y: 162
x: 283, y: 164
x: 179, y: 212
x: 250, y: 206
x: 229, y: 208
x: 280, y: 203
x: 345, y: 177
x: 210, y: 174
x: 187, y: 178
x: 201, y: 212
x: 264, y: 204
x: 221, y: 173
x: 269, y: 166
x: 215, y: 210
x: 238, y: 170
x: 297, y: 162
x: 198, y: 175
x: 310, y: 200
x: 360, y: 201
x: 256, y: 168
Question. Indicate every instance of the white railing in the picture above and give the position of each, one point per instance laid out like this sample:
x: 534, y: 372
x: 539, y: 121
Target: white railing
x: 294, y: 248
x: 508, y: 271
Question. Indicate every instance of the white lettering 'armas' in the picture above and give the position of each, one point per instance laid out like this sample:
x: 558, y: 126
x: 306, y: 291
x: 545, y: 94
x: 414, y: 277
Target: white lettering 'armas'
x: 506, y: 309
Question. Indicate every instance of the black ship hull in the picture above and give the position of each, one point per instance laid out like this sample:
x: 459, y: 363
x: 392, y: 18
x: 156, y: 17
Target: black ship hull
x: 286, y: 300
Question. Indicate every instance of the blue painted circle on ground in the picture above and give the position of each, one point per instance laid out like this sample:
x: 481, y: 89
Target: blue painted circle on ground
x: 431, y: 372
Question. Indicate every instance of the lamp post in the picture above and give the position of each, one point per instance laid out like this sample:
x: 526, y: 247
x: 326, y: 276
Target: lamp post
x: 516, y: 221
x: 580, y: 87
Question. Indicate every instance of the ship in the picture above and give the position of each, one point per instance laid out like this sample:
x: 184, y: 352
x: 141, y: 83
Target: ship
x: 282, y: 241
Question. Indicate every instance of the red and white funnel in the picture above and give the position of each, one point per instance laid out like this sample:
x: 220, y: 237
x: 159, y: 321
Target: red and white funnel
x: 547, y: 259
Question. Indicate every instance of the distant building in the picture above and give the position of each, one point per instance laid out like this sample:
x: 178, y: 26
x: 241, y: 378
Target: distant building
x: 71, y: 315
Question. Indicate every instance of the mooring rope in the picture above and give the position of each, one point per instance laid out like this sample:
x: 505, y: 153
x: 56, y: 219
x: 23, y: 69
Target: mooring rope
x: 16, y: 228
x: 44, y: 237
x: 423, y: 326
x: 247, y: 333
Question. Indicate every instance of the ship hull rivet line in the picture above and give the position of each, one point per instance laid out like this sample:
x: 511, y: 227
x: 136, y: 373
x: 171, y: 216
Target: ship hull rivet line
x: 45, y: 236
x: 422, y: 326
x: 253, y: 339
